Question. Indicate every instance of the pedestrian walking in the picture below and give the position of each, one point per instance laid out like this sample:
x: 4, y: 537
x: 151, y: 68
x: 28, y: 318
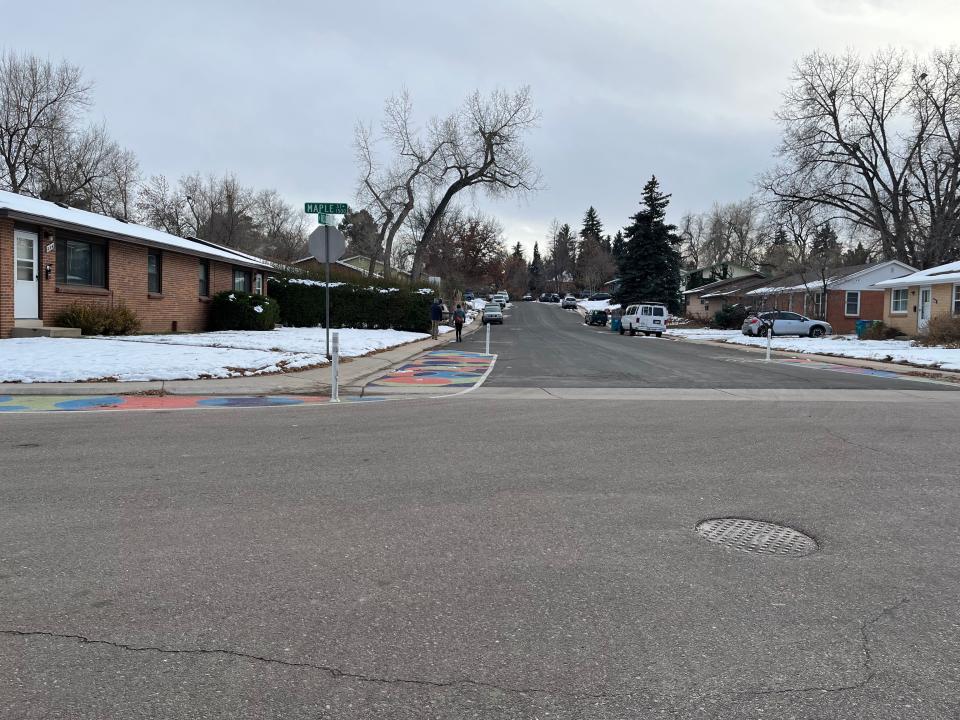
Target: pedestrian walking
x: 436, y: 315
x: 459, y: 318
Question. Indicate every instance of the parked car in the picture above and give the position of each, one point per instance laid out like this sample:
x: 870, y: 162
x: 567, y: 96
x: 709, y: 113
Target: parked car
x: 569, y: 303
x: 493, y: 314
x: 554, y: 298
x: 467, y: 297
x: 785, y: 323
x: 596, y: 317
x: 646, y: 318
x: 601, y: 296
x: 501, y: 298
x: 527, y: 298
x: 584, y: 295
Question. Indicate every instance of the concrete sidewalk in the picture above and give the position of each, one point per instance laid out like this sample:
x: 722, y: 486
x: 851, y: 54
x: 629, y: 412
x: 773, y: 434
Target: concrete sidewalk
x: 354, y: 374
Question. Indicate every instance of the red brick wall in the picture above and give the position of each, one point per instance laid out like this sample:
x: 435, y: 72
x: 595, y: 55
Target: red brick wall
x: 871, y: 308
x: 6, y: 277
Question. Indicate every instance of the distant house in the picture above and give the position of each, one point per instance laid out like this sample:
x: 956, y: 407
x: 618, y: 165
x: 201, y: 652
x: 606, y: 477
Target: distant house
x: 354, y: 266
x: 52, y: 256
x: 911, y: 301
x: 712, y: 273
x: 703, y: 302
x: 847, y: 295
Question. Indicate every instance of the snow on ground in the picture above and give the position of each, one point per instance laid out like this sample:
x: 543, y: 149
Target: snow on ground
x: 901, y: 351
x: 184, y: 356
x: 287, y: 339
x: 76, y: 359
x: 590, y: 305
x: 478, y: 304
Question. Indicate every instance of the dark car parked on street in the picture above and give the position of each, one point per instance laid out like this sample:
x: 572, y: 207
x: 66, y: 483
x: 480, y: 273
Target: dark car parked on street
x: 596, y: 317
x: 601, y: 296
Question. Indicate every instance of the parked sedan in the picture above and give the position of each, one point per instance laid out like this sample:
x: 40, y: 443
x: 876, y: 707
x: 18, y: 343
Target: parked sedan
x: 554, y: 297
x: 785, y: 323
x: 569, y: 303
x: 493, y: 314
x: 601, y: 296
x: 527, y: 298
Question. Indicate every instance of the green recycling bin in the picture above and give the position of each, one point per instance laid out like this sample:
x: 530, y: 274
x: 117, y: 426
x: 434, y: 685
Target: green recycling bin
x: 863, y: 326
x: 615, y: 324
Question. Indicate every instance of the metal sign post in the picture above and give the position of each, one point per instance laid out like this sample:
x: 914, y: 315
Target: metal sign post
x: 327, y: 244
x: 335, y: 369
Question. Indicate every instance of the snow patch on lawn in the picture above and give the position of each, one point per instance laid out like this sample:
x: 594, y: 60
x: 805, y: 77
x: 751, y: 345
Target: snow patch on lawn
x: 591, y: 305
x: 900, y: 351
x: 185, y: 356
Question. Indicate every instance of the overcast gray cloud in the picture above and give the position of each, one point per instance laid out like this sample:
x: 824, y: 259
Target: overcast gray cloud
x: 271, y: 91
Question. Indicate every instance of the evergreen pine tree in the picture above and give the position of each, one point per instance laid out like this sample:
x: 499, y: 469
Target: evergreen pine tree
x: 518, y: 252
x: 856, y: 256
x: 618, y: 248
x: 592, y: 227
x: 535, y: 271
x: 651, y: 266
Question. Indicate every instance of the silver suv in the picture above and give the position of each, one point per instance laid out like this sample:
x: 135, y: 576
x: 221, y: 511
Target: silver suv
x: 785, y: 323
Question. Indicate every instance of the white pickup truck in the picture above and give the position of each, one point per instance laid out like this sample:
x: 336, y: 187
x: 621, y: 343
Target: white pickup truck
x: 646, y: 318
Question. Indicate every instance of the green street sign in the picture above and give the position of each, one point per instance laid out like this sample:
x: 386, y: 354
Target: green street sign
x: 322, y: 218
x: 326, y: 208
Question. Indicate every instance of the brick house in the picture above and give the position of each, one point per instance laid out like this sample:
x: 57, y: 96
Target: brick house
x: 52, y: 256
x: 703, y: 302
x: 911, y: 301
x: 847, y: 295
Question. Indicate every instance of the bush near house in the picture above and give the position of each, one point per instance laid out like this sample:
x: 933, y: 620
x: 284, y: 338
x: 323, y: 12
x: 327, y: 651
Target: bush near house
x: 881, y: 331
x: 730, y: 318
x: 98, y: 319
x: 233, y: 310
x: 302, y: 305
x: 943, y: 330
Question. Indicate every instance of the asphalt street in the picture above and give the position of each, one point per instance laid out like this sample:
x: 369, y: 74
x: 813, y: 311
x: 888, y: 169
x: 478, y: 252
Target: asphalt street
x: 540, y: 345
x: 482, y: 556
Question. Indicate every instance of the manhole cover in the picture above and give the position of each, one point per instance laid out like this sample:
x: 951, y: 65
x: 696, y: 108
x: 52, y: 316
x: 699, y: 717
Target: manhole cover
x: 756, y: 536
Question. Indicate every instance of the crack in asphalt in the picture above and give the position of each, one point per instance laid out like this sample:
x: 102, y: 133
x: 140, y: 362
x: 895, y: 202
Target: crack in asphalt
x: 848, y: 441
x: 334, y: 672
x: 866, y: 667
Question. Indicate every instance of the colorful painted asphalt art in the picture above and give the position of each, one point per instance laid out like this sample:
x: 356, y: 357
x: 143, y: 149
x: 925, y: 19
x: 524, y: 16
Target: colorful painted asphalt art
x: 439, y: 368
x: 74, y: 403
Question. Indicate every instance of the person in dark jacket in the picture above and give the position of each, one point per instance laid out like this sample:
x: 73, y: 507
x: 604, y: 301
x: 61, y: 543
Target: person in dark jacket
x: 436, y: 315
x: 459, y: 318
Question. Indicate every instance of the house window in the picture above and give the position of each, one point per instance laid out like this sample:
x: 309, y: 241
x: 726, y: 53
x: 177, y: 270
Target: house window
x: 898, y: 300
x: 258, y: 283
x: 203, y: 273
x: 852, y: 306
x: 81, y: 262
x: 155, y: 271
x: 241, y: 280
x: 819, y: 305
x: 956, y: 299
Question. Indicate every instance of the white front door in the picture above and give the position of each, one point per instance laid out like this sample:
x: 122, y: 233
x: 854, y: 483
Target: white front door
x: 924, y: 307
x: 26, y: 287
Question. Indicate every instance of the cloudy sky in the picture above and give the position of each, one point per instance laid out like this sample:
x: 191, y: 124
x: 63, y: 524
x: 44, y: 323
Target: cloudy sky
x: 685, y: 89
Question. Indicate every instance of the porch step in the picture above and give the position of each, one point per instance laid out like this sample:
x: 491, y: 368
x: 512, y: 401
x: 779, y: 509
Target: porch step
x: 28, y: 322
x: 54, y: 332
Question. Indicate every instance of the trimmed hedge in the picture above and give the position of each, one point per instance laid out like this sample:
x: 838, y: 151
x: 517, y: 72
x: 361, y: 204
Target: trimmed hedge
x: 730, y: 317
x: 353, y: 306
x: 99, y: 320
x: 233, y: 310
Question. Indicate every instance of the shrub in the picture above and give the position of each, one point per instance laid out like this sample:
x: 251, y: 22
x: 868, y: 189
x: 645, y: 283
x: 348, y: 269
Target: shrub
x: 730, y: 317
x: 99, y: 319
x: 302, y: 305
x: 881, y: 331
x: 942, y: 330
x: 234, y: 310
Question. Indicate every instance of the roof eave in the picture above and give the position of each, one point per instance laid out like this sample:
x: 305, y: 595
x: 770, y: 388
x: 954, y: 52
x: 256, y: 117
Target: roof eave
x: 87, y: 230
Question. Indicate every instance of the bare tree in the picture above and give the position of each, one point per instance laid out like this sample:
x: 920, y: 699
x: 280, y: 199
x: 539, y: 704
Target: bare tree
x: 37, y: 99
x: 116, y: 193
x: 390, y: 194
x: 877, y: 142
x: 280, y: 226
x: 480, y: 147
